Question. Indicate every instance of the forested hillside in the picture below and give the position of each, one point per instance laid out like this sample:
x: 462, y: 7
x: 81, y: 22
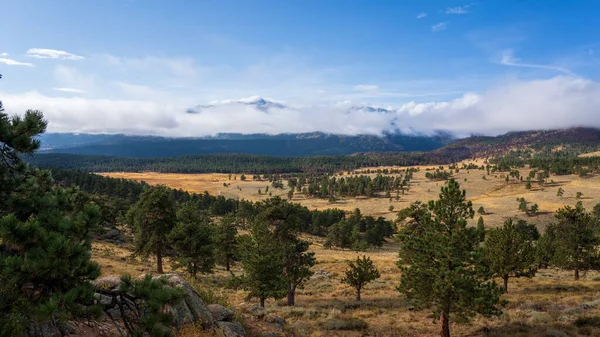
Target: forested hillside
x: 284, y: 145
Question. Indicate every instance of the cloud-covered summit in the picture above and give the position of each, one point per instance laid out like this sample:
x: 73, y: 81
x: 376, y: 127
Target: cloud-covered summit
x: 558, y: 102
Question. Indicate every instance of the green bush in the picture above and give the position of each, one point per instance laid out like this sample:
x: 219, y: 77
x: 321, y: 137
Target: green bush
x: 345, y: 324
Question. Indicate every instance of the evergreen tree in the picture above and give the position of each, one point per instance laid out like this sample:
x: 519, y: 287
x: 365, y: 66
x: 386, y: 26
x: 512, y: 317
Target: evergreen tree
x: 226, y: 239
x: 45, y: 238
x: 560, y: 192
x: 296, y: 268
x: 441, y: 263
x: 262, y: 262
x: 510, y: 252
x: 193, y: 240
x: 575, y: 241
x: 360, y: 272
x: 152, y: 218
x: 481, y: 211
x: 481, y: 229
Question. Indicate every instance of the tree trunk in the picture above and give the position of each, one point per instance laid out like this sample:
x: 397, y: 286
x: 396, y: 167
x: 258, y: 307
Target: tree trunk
x: 291, y: 297
x: 227, y: 264
x: 358, y: 293
x: 505, y: 278
x: 159, y: 264
x: 262, y: 302
x: 445, y: 325
x: 576, y: 274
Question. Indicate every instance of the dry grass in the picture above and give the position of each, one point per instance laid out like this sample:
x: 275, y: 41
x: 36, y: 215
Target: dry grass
x: 547, y: 305
x: 498, y: 198
x: 540, y: 306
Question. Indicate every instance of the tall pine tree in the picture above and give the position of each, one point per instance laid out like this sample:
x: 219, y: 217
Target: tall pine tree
x: 152, y: 218
x: 440, y: 260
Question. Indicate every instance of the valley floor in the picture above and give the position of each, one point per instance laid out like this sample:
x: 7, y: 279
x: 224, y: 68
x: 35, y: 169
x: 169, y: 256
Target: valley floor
x: 546, y: 305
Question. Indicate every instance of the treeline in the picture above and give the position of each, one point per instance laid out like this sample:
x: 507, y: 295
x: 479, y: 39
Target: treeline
x: 352, y: 186
x: 240, y: 163
x: 582, y: 166
x: 123, y: 193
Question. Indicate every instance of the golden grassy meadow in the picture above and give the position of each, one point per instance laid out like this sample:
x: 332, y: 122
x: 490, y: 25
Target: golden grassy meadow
x: 546, y: 305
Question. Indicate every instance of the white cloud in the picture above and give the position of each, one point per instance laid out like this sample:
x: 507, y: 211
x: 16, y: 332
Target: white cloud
x: 508, y: 59
x: 457, y: 10
x: 68, y: 77
x: 4, y: 55
x: 42, y: 53
x: 70, y: 90
x: 421, y: 15
x: 10, y: 62
x: 439, y: 27
x: 558, y: 102
x: 366, y: 87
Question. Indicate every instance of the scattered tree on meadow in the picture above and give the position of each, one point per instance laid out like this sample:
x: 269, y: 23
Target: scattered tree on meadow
x: 226, y: 239
x: 262, y: 261
x: 286, y: 219
x: 560, y: 192
x: 510, y: 252
x: 360, y: 272
x: 441, y: 265
x: 575, y: 240
x: 481, y: 229
x: 152, y: 218
x: 193, y: 240
x: 579, y: 195
x: 481, y: 210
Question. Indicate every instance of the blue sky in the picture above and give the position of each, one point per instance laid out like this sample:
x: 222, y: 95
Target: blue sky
x: 134, y: 66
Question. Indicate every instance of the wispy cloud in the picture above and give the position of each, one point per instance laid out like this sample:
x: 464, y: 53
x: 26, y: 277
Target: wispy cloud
x: 41, y: 53
x: 68, y: 77
x: 4, y: 55
x: 457, y: 10
x: 508, y: 59
x: 366, y: 87
x: 421, y: 15
x: 439, y: 27
x: 70, y: 90
x: 10, y: 62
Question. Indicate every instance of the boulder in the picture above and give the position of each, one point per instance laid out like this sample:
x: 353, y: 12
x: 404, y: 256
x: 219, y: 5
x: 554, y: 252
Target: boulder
x: 254, y: 309
x: 231, y: 329
x: 220, y: 313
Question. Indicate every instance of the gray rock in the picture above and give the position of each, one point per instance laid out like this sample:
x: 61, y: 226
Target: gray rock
x: 274, y: 319
x: 231, y: 329
x: 111, y: 282
x: 220, y: 313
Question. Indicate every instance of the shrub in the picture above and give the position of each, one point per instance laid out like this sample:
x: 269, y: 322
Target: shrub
x: 593, y: 321
x: 345, y: 324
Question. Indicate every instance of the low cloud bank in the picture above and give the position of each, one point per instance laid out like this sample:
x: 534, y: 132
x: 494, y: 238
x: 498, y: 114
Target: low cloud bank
x: 559, y: 102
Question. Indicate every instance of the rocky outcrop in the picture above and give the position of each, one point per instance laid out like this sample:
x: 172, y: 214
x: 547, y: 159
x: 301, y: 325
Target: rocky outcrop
x: 191, y: 309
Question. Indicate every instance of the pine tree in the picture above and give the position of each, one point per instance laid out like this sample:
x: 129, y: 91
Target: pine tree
x: 262, y: 262
x: 296, y: 266
x: 481, y: 229
x: 481, y: 211
x: 360, y: 272
x: 152, y: 218
x: 193, y: 240
x: 441, y: 263
x: 560, y: 192
x: 45, y: 238
x: 510, y: 252
x: 226, y: 239
x: 575, y: 240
